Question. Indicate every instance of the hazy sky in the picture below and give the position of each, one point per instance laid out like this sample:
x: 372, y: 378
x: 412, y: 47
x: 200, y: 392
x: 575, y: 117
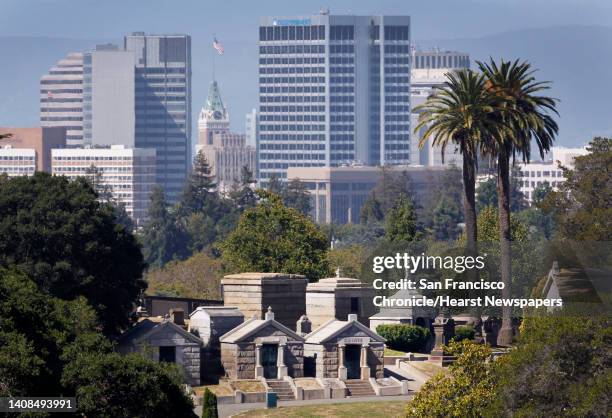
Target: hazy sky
x: 579, y: 65
x: 236, y: 21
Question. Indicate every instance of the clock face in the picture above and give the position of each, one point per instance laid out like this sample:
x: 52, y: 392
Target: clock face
x: 217, y: 115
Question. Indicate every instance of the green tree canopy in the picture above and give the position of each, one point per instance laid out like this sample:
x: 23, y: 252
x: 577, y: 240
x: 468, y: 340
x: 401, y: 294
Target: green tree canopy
x: 401, y: 221
x: 274, y: 238
x: 70, y: 244
x: 296, y: 196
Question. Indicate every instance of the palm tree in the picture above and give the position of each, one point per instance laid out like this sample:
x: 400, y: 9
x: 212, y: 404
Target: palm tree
x: 527, y: 116
x: 462, y: 113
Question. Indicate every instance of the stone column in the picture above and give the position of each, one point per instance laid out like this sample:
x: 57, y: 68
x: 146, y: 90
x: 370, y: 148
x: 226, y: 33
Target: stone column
x: 365, y: 369
x: 259, y: 372
x: 280, y: 361
x: 341, y: 366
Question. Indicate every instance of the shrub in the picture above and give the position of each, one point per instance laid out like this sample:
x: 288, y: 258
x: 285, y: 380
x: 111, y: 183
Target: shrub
x: 464, y: 332
x: 404, y: 337
x: 209, y: 407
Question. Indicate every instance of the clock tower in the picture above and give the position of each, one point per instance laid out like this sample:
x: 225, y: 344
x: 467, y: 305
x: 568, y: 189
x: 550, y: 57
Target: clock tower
x: 214, y: 118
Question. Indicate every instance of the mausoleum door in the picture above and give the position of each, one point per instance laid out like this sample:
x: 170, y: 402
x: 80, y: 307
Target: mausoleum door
x: 269, y: 357
x: 351, y: 361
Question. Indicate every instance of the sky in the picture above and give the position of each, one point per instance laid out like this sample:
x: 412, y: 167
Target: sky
x: 235, y: 23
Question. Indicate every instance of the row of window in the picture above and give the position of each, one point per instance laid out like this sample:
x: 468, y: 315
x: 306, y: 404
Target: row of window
x: 275, y: 156
x: 397, y: 49
x: 291, y: 128
x: 90, y: 158
x: 342, y: 70
x: 541, y: 173
x: 341, y: 60
x: 292, y: 118
x: 291, y: 80
x: 293, y: 137
x: 61, y: 118
x: 16, y: 158
x: 160, y: 70
x: 60, y: 91
x: 60, y: 109
x: 291, y: 99
x: 341, y: 109
x: 341, y: 49
x: 46, y: 82
x: 283, y: 166
x: 293, y: 146
x: 292, y: 109
x: 167, y: 89
x: 293, y: 89
x: 291, y: 33
x: 292, y: 49
x: 441, y: 61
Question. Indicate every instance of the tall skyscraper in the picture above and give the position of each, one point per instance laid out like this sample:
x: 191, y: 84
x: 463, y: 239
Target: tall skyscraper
x: 428, y: 73
x: 163, y: 104
x: 108, y: 96
x: 333, y: 90
x: 61, y: 98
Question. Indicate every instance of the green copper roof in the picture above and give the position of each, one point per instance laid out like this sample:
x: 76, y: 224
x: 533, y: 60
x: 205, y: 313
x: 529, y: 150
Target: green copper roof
x: 214, y: 101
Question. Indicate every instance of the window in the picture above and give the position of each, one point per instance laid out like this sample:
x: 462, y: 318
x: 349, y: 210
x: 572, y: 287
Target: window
x: 167, y: 354
x: 354, y: 305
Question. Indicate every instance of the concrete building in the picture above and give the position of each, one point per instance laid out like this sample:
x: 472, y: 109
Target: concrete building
x: 166, y: 340
x: 262, y: 348
x: 536, y: 174
x: 337, y: 298
x: 338, y: 193
x: 413, y: 315
x: 17, y: 161
x: 129, y: 173
x: 163, y: 104
x: 428, y: 73
x: 61, y: 98
x: 108, y: 96
x: 254, y: 293
x: 226, y: 152
x: 252, y: 128
x: 333, y: 90
x: 346, y: 350
x: 41, y: 139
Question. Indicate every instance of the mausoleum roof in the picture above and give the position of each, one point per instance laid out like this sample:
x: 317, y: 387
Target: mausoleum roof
x: 333, y: 327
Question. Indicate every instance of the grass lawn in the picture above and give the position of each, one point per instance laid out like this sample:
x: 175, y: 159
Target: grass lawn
x: 391, y: 352
x: 391, y: 409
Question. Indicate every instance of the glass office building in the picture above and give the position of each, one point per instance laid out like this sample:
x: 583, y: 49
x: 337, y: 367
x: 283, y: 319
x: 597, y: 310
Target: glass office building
x: 163, y: 104
x: 333, y: 90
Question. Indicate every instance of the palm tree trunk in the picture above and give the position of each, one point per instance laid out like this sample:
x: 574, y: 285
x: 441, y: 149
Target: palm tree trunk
x: 504, y: 337
x: 471, y: 227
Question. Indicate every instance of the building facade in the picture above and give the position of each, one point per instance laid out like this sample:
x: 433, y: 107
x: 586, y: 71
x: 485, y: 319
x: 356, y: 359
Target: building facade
x: 129, y: 173
x: 61, y: 98
x: 40, y: 139
x: 339, y: 193
x: 333, y: 90
x: 163, y: 104
x: 108, y: 96
x: 17, y: 161
x: 537, y: 174
x: 251, y: 128
x: 428, y: 73
x: 226, y: 152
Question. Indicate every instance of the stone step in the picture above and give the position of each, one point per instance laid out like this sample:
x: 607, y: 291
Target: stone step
x: 359, y: 388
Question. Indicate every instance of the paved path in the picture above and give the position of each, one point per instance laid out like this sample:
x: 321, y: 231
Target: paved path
x: 230, y: 410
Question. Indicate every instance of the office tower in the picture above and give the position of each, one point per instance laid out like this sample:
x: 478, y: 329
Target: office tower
x: 163, y: 104
x: 225, y: 151
x: 40, y: 140
x: 129, y: 173
x: 333, y: 90
x: 252, y: 127
x: 61, y: 97
x: 17, y: 161
x: 108, y: 96
x: 428, y: 73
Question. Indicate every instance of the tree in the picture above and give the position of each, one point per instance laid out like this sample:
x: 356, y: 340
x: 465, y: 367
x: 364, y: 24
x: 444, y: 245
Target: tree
x: 371, y: 211
x: 486, y: 194
x: 275, y: 185
x: 56, y: 232
x: 528, y: 117
x: 209, y: 409
x: 199, y: 276
x: 467, y: 390
x: 199, y: 193
x: 274, y: 238
x: 349, y: 260
x: 540, y: 193
x: 582, y: 207
x: 446, y: 218
x: 401, y: 221
x: 296, y: 196
x: 161, y: 237
x: 244, y: 196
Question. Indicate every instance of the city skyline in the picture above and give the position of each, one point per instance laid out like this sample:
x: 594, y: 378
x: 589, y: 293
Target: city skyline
x: 237, y: 68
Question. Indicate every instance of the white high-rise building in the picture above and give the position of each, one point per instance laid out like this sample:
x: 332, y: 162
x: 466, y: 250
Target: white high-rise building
x: 61, y: 98
x: 333, y: 90
x: 428, y: 73
x: 17, y: 161
x: 108, y: 96
x: 537, y: 173
x: 129, y: 173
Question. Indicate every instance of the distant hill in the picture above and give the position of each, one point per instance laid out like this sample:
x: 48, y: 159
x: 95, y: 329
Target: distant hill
x: 577, y: 58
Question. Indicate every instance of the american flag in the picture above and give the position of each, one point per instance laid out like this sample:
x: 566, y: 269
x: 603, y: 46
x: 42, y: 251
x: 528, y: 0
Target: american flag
x: 218, y: 47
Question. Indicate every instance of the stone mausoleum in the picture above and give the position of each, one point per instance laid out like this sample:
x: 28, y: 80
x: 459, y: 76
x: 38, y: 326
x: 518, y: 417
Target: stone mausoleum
x: 344, y: 350
x: 253, y: 293
x: 262, y: 348
x: 337, y: 298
